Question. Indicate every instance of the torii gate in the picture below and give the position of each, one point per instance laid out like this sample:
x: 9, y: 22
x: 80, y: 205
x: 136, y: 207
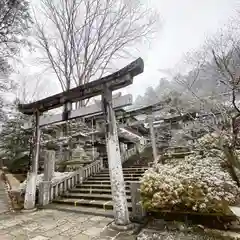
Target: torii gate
x: 104, y: 87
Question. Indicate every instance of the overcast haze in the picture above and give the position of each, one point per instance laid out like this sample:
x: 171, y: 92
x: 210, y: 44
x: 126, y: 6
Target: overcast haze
x: 185, y: 26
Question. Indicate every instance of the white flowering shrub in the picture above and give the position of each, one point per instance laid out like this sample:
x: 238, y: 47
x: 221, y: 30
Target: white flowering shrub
x: 195, y: 183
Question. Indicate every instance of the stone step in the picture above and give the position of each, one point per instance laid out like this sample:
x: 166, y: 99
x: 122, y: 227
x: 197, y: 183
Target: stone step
x: 93, y: 182
x: 135, y: 174
x: 128, y: 170
x: 137, y: 168
x: 82, y: 209
x: 96, y: 178
x: 94, y: 191
x: 85, y: 185
x: 132, y: 168
x: 100, y: 185
x: 124, y: 174
x: 80, y: 196
x: 106, y: 182
x: 88, y: 203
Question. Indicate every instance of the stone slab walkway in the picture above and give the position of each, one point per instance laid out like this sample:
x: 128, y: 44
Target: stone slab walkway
x: 57, y: 225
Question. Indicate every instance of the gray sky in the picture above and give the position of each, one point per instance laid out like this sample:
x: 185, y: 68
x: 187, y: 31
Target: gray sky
x: 185, y: 26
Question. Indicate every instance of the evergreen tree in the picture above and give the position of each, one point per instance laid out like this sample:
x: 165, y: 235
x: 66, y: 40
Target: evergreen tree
x: 15, y: 21
x: 15, y: 142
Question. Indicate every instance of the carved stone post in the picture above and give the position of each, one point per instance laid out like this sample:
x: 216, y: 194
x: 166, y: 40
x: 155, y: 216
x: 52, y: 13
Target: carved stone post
x: 121, y: 214
x: 49, y: 169
x: 61, y: 149
x: 153, y: 139
x: 101, y: 163
x: 49, y: 165
x: 138, y: 212
x: 44, y: 193
x: 122, y: 152
x: 30, y: 194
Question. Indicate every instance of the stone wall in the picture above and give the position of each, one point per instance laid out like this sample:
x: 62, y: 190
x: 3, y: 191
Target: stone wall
x: 3, y: 197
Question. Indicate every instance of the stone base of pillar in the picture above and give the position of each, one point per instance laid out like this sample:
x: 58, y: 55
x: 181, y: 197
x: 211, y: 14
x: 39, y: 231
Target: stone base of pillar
x: 44, y: 193
x: 29, y: 210
x: 30, y: 192
x: 123, y: 228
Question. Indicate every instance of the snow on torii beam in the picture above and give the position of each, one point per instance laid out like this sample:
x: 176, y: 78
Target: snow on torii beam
x: 117, y: 80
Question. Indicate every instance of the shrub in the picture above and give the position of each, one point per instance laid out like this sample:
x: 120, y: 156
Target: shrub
x: 197, y: 183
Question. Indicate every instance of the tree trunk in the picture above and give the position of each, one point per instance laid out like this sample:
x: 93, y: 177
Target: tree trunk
x: 232, y: 162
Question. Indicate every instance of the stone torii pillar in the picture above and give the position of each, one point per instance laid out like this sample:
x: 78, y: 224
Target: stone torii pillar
x: 121, y: 214
x: 30, y: 193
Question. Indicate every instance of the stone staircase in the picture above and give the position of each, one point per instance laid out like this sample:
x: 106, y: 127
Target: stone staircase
x: 94, y: 194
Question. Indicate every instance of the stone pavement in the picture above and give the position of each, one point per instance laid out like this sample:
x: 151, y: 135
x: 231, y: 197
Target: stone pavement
x: 57, y: 225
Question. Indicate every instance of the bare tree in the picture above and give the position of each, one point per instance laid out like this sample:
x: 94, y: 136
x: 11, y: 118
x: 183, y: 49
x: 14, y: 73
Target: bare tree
x: 82, y: 39
x: 15, y: 20
x: 220, y: 69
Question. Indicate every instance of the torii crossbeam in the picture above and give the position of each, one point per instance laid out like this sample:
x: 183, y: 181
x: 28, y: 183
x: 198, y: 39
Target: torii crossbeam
x: 103, y: 87
x: 115, y: 81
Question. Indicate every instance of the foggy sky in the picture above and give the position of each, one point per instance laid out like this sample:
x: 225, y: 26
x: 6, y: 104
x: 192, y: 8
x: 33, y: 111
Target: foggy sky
x: 185, y: 26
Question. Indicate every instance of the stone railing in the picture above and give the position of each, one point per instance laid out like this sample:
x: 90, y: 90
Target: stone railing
x: 49, y: 191
x: 132, y: 151
x: 142, y: 147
